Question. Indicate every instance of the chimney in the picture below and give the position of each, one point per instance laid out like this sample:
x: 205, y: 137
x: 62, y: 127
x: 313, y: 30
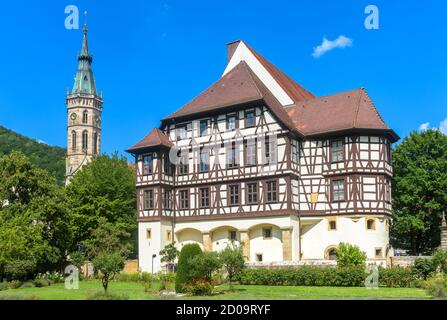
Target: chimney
x: 232, y: 46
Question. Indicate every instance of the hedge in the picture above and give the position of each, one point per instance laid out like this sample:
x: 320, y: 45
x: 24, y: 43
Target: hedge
x: 331, y: 277
x: 185, y: 271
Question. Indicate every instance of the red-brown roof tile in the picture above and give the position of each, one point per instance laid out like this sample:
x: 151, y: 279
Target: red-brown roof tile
x: 155, y: 138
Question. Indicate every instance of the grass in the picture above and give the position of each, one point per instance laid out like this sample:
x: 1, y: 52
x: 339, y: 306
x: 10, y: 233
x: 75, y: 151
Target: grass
x: 135, y: 291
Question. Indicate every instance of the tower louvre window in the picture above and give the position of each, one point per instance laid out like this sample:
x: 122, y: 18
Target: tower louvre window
x: 85, y: 117
x: 73, y: 140
x: 84, y: 140
x: 95, y: 143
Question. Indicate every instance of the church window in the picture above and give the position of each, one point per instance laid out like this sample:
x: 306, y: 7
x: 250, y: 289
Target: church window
x: 252, y: 193
x: 85, y: 117
x: 250, y: 119
x: 233, y: 194
x: 84, y: 141
x: 148, y: 199
x: 272, y: 191
x: 338, y: 190
x: 184, y: 199
x: 336, y: 151
x: 204, y: 197
x: 73, y: 140
x: 147, y: 164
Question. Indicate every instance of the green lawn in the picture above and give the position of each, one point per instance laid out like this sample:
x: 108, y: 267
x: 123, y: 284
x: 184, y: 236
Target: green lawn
x: 135, y: 291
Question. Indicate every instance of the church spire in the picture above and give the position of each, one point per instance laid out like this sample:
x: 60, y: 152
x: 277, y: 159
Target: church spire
x: 84, y: 79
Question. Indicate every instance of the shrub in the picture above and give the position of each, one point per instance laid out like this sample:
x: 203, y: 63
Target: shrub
x: 13, y: 296
x: 304, y: 276
x: 398, y: 277
x: 199, y: 287
x: 15, y: 284
x: 185, y: 270
x: 4, y: 285
x: 109, y: 264
x: 439, y: 261
x: 423, y: 268
x: 164, y: 280
x: 232, y: 259
x: 349, y: 255
x: 101, y: 295
x: 128, y: 277
x: 53, y: 277
x: 39, y: 283
x: 206, y: 264
x: 28, y: 284
x: 436, y: 286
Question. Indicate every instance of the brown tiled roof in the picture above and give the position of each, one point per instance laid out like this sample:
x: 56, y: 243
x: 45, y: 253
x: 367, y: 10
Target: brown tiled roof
x: 295, y: 91
x: 234, y: 88
x: 155, y: 138
x: 348, y: 110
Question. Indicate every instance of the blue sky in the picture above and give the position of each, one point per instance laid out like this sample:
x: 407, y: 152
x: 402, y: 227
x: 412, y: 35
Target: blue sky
x: 151, y: 57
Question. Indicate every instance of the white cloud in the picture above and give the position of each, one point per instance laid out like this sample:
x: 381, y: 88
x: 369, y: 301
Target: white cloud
x: 328, y: 45
x: 424, y: 126
x: 443, y: 126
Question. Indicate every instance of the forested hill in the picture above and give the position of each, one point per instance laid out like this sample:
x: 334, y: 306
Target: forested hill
x: 42, y: 155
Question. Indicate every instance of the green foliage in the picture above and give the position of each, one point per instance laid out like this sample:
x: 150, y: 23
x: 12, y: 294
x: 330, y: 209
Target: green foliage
x: 349, y: 255
x: 109, y: 264
x: 40, y: 283
x: 398, y: 277
x: 436, y: 286
x: 423, y: 268
x: 232, y: 260
x: 27, y: 284
x: 77, y: 259
x: 419, y: 191
x: 49, y: 158
x: 51, y: 277
x: 206, y: 264
x: 104, y: 188
x: 304, y: 276
x: 185, y: 269
x: 439, y: 261
x: 107, y: 296
x: 34, y: 233
x: 14, y: 284
x: 169, y: 254
x: 199, y: 287
x: 13, y: 296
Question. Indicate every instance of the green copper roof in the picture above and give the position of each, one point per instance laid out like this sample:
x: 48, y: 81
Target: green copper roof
x: 84, y: 80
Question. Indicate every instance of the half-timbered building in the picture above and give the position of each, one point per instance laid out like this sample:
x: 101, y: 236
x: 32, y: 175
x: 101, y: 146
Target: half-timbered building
x: 259, y: 160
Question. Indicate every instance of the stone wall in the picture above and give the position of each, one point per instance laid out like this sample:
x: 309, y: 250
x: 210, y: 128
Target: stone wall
x: 405, y: 261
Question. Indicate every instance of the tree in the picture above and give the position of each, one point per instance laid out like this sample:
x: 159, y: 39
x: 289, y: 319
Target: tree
x: 232, y: 259
x: 349, y: 255
x: 34, y: 233
x: 206, y: 264
x: 104, y: 188
x: 108, y: 249
x: 185, y: 269
x: 169, y: 254
x: 419, y: 191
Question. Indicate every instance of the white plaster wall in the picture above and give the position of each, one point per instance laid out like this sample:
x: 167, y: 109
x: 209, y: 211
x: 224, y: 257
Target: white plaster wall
x: 221, y: 239
x: 148, y: 247
x: 316, y: 238
x: 271, y: 249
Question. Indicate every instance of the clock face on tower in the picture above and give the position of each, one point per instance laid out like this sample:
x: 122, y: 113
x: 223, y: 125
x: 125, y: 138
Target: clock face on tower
x: 73, y: 116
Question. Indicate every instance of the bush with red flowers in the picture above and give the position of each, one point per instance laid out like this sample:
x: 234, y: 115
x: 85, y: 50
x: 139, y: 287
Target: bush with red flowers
x: 200, y: 287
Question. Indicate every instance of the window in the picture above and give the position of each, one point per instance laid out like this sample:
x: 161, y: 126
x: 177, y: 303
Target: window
x: 167, y: 165
x: 389, y: 153
x: 338, y: 190
x: 272, y: 191
x: 84, y: 140
x: 148, y: 234
x: 183, y: 165
x: 202, y: 127
x: 168, y: 199
x: 231, y: 122
x: 148, y: 200
x: 250, y: 152
x: 181, y: 132
x: 147, y: 163
x: 184, y: 199
x: 336, y: 151
x: 204, y: 197
x: 95, y: 143
x: 267, y: 233
x: 234, y: 194
x: 85, y: 117
x: 371, y: 224
x: 232, y: 235
x: 73, y: 140
x: 250, y: 119
x: 270, y: 150
x: 331, y: 254
x: 387, y: 191
x: 231, y: 156
x: 204, y: 160
x: 252, y: 193
x: 168, y: 235
x: 332, y: 225
x: 259, y: 257
x: 378, y: 253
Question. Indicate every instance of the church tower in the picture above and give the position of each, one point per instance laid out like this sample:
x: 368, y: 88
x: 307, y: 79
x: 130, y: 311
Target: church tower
x: 84, y: 108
